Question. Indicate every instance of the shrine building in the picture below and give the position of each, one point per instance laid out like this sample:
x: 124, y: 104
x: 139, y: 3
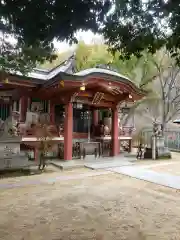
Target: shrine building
x: 77, y: 103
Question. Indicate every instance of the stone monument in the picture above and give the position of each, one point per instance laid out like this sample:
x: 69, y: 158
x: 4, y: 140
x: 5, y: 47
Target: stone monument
x: 10, y: 155
x: 162, y: 151
x: 157, y: 149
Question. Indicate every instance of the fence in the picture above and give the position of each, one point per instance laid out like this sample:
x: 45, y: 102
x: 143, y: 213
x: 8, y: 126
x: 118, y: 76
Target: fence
x: 171, y: 137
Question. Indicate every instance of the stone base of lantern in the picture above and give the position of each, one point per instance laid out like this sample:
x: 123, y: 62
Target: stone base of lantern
x: 162, y: 152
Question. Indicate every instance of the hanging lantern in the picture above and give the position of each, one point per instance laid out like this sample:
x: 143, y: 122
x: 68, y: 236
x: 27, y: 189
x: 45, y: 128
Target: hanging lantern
x: 6, y: 80
x: 61, y: 83
x: 82, y: 87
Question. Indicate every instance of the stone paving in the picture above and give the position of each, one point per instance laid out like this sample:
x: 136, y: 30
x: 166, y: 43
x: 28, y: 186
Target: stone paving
x: 109, y: 163
x: 94, y: 163
x: 143, y: 173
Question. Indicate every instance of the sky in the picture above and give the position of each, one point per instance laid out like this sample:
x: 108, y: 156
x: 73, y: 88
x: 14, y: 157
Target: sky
x: 87, y: 37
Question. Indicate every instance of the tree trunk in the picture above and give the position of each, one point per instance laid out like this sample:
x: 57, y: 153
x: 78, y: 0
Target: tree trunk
x: 163, y: 127
x: 42, y: 162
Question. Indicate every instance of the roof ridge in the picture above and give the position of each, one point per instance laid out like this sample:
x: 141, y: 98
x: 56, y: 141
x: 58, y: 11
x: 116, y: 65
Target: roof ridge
x: 64, y: 63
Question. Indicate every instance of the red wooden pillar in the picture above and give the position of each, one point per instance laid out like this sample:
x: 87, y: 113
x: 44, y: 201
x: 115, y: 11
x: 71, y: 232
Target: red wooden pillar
x: 52, y: 113
x: 95, y: 117
x: 68, y: 131
x: 36, y: 154
x: 23, y: 108
x: 115, y: 133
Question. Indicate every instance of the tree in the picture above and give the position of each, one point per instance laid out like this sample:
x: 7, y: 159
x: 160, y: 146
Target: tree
x: 43, y: 133
x: 140, y: 70
x: 35, y: 24
x: 137, y: 25
x: 162, y: 104
x: 87, y: 56
x: 17, y: 56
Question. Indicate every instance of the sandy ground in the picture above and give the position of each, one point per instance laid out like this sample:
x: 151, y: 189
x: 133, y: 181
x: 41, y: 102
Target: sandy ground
x: 116, y: 206
x: 50, y: 172
x: 173, y: 169
x: 171, y: 166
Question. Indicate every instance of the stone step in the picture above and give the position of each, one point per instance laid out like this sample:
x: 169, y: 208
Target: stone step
x: 67, y: 165
x: 106, y: 165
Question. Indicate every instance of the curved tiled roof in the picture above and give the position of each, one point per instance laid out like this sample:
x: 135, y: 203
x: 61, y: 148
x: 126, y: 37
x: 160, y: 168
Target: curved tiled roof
x: 106, y: 74
x: 66, y: 71
x: 46, y: 75
x: 100, y: 70
x: 68, y: 67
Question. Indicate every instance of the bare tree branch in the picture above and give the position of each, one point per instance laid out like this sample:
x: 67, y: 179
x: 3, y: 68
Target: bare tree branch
x: 165, y: 105
x: 173, y: 115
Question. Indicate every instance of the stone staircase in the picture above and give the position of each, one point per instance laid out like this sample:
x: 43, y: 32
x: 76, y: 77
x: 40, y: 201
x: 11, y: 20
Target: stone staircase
x: 92, y: 163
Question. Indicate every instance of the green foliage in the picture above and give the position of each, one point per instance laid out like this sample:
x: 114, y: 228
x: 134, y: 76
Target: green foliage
x: 137, y: 25
x: 88, y: 56
x: 35, y: 24
x: 133, y: 27
x: 20, y: 57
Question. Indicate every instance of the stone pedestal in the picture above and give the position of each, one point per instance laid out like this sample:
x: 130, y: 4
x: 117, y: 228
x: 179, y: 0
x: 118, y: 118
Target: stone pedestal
x: 10, y: 155
x: 148, y: 153
x: 153, y: 143
x: 162, y: 151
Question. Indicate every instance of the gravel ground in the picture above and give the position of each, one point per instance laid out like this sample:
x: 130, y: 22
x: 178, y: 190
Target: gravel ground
x: 113, y: 205
x: 50, y: 172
